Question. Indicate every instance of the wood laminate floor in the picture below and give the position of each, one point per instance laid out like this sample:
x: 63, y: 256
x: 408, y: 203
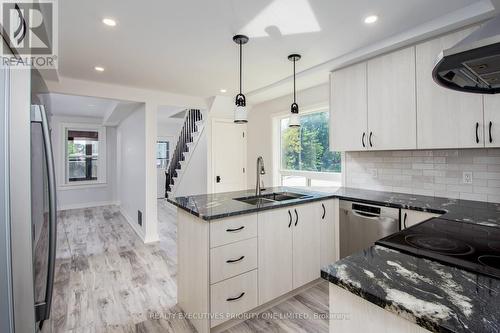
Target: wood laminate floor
x: 107, y: 280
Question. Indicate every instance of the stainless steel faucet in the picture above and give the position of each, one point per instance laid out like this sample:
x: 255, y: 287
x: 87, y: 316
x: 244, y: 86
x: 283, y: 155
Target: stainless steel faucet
x: 260, y: 171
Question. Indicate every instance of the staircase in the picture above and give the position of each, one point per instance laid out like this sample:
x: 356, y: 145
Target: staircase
x: 190, y: 133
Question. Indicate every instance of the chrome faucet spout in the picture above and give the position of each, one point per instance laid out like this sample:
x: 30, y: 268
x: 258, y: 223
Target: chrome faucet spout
x: 260, y: 171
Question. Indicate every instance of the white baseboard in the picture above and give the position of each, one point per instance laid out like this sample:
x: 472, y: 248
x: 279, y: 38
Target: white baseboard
x: 88, y: 205
x: 133, y: 224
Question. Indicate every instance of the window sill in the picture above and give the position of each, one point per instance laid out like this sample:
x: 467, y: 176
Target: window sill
x: 67, y: 187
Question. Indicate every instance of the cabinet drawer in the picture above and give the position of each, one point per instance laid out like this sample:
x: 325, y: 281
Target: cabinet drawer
x: 232, y: 259
x: 233, y: 296
x: 233, y: 229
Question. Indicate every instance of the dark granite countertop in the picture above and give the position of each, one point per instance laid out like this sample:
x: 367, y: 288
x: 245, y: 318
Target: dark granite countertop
x: 220, y: 205
x: 434, y: 296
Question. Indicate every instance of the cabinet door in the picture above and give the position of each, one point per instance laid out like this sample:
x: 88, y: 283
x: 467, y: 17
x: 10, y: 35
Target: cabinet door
x: 306, y: 245
x: 445, y: 118
x: 492, y: 120
x: 275, y: 253
x: 327, y: 214
x: 391, y: 101
x: 412, y: 217
x: 348, y: 108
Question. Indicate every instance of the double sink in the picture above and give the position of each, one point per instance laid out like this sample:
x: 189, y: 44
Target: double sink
x: 272, y: 197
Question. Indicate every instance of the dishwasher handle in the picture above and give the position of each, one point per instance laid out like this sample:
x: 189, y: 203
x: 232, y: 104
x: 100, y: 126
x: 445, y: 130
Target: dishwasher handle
x: 366, y: 215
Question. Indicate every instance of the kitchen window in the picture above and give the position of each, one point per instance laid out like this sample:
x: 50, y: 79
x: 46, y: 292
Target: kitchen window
x: 162, y: 154
x: 305, y: 156
x: 85, y: 150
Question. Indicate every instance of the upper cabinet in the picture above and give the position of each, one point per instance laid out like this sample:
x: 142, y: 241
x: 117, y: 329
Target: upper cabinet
x: 391, y: 101
x: 348, y: 109
x: 492, y: 120
x: 445, y: 118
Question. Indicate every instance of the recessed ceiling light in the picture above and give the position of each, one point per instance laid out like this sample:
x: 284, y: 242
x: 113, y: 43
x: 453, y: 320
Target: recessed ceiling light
x: 99, y: 69
x: 223, y: 91
x: 109, y: 22
x: 371, y: 19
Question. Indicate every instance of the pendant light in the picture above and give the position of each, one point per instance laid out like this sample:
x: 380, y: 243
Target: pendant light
x: 240, y: 113
x: 294, y: 109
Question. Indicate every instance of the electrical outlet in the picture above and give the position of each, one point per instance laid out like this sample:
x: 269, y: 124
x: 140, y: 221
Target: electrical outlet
x: 467, y: 177
x: 139, y: 218
x: 373, y: 173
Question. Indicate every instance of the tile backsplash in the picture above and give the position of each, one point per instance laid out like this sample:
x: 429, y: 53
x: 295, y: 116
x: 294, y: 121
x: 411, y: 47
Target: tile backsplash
x: 437, y: 173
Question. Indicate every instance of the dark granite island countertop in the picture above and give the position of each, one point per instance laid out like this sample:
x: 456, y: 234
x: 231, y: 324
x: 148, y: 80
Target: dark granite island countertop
x: 215, y: 206
x: 434, y: 296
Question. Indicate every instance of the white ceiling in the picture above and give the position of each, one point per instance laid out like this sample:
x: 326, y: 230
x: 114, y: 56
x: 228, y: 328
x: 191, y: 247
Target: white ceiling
x: 80, y: 106
x: 186, y: 46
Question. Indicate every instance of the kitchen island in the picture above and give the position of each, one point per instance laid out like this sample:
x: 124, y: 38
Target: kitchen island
x: 415, y: 295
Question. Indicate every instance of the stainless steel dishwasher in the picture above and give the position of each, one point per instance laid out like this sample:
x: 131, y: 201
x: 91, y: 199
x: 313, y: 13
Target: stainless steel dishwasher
x: 363, y: 224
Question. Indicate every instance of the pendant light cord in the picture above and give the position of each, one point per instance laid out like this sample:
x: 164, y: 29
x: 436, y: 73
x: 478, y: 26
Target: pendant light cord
x: 294, y: 81
x: 241, y: 63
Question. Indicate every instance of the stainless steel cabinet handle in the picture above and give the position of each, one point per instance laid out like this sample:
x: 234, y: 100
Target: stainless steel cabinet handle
x: 232, y: 261
x: 39, y: 115
x: 363, y: 140
x: 231, y: 299
x: 290, y: 220
x: 371, y: 144
x: 296, y: 217
x: 236, y: 230
x: 404, y: 220
x: 324, y: 211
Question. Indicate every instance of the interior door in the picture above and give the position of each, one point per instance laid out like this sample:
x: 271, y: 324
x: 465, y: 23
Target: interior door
x: 228, y: 156
x: 306, y: 245
x: 275, y: 253
x: 348, y: 109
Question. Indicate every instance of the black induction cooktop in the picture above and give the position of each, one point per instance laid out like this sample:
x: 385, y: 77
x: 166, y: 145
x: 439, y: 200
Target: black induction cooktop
x: 469, y: 246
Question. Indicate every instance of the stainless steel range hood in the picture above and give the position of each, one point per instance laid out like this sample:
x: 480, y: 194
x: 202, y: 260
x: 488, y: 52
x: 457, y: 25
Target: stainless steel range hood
x: 473, y: 65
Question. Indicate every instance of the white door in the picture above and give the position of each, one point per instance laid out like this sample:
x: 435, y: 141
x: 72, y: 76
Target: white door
x: 391, y: 101
x: 411, y: 217
x: 275, y: 253
x: 492, y: 120
x: 228, y: 156
x: 327, y: 215
x: 348, y: 109
x: 445, y: 118
x: 306, y: 246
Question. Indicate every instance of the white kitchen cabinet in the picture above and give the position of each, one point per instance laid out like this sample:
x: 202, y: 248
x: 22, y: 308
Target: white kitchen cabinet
x: 275, y: 235
x: 348, y: 109
x: 289, y: 249
x: 391, y: 101
x: 412, y: 217
x: 306, y: 245
x: 492, y: 120
x: 445, y: 118
x: 327, y: 213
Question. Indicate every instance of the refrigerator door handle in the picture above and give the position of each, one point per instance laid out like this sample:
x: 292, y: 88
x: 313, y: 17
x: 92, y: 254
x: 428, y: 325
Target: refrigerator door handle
x: 38, y: 114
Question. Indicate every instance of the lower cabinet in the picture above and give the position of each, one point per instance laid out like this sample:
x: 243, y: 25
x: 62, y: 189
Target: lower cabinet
x: 275, y: 237
x: 411, y: 217
x: 294, y: 242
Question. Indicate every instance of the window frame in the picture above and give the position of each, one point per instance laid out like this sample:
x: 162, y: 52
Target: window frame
x: 169, y: 151
x: 337, y: 177
x: 102, y: 155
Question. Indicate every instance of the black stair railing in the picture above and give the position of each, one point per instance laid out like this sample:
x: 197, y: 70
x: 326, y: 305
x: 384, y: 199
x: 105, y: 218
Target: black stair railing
x: 185, y: 137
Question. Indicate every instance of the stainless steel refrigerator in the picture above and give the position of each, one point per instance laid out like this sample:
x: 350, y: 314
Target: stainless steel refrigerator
x: 28, y: 203
x: 43, y: 200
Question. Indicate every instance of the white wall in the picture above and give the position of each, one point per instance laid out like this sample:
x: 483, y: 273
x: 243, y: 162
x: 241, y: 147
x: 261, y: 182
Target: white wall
x: 260, y: 128
x: 428, y: 172
x: 76, y: 196
x: 131, y: 138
